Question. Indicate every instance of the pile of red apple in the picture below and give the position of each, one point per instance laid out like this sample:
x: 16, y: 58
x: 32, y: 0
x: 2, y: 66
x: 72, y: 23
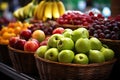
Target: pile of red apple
x: 30, y: 41
x: 75, y: 46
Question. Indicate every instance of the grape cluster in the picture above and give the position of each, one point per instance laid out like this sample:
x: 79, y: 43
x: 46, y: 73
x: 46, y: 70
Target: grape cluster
x: 75, y: 18
x: 47, y: 27
x: 105, y: 28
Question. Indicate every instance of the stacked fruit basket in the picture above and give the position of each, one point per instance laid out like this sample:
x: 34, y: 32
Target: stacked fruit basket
x: 57, y: 44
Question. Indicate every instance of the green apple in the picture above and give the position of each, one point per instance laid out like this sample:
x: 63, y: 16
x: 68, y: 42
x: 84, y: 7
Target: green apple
x: 81, y: 58
x: 96, y: 56
x: 80, y: 33
x: 51, y: 54
x: 108, y: 53
x: 66, y: 56
x: 41, y: 51
x: 52, y: 41
x: 82, y: 45
x: 67, y: 30
x: 65, y: 44
x: 95, y: 43
x: 67, y: 33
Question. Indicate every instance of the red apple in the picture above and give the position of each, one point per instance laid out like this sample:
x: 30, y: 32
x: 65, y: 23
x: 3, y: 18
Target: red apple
x: 32, y: 39
x: 46, y: 39
x: 20, y: 44
x: 39, y: 35
x: 25, y: 34
x: 43, y: 43
x: 31, y: 46
x: 12, y: 41
x: 58, y: 30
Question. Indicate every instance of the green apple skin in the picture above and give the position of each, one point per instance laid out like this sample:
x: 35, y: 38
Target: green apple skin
x: 81, y: 58
x: 96, y: 56
x: 82, y: 45
x: 65, y: 44
x: 51, y: 54
x: 95, y: 43
x: 108, y: 53
x: 67, y: 34
x: 66, y: 56
x: 52, y: 41
x: 41, y: 51
x: 67, y: 30
x: 80, y: 33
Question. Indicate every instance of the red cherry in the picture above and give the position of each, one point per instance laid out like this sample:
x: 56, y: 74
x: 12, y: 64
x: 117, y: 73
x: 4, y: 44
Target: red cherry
x: 91, y: 13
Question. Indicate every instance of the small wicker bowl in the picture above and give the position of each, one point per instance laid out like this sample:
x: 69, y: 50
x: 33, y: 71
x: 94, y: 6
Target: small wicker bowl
x: 23, y: 61
x: 4, y: 55
x: 49, y: 70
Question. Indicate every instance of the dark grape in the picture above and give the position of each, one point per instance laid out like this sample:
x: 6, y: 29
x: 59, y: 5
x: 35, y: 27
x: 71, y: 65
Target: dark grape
x: 102, y: 35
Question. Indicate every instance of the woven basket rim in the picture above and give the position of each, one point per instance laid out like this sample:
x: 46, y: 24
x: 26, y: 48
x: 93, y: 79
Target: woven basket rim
x: 110, y: 40
x: 4, y: 44
x: 76, y: 65
x: 20, y: 51
x: 70, y: 25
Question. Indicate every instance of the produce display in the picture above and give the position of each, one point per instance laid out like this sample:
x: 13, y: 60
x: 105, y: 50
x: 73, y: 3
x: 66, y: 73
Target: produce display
x: 25, y: 12
x: 50, y: 41
x: 11, y: 30
x: 75, y: 46
x: 49, y: 10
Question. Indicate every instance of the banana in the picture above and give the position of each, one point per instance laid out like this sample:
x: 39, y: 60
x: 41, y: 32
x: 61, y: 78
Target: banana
x: 31, y: 11
x: 40, y: 9
x: 16, y: 13
x: 27, y: 9
x: 55, y: 10
x: 48, y: 10
x: 20, y: 12
x: 61, y: 7
x: 35, y: 12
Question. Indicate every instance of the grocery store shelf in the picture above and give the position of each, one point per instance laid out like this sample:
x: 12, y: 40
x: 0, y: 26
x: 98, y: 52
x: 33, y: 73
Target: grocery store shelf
x: 13, y: 73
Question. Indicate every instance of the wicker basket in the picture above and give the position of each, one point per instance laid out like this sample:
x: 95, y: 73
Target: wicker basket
x: 114, y: 45
x: 49, y: 70
x: 4, y: 54
x: 23, y: 61
x: 73, y: 27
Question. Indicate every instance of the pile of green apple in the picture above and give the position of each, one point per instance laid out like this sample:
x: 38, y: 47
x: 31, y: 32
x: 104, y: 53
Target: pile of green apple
x: 75, y: 46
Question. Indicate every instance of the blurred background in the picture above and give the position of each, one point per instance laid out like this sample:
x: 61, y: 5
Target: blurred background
x: 106, y: 7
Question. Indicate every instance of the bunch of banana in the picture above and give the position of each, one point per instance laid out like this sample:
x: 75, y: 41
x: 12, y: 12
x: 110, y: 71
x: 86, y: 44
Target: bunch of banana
x: 49, y: 9
x: 26, y: 11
